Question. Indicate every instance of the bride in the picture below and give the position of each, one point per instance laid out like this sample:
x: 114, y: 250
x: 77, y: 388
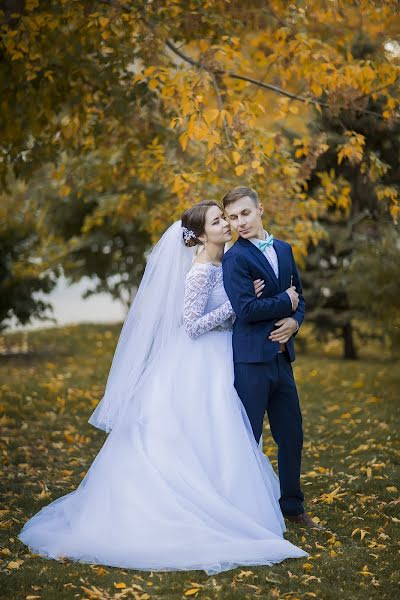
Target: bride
x: 180, y: 482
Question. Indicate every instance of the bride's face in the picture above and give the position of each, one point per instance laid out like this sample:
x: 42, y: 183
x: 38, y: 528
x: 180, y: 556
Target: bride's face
x: 217, y: 230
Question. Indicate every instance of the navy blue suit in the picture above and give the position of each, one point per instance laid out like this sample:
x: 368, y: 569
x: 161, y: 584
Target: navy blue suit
x: 263, y: 376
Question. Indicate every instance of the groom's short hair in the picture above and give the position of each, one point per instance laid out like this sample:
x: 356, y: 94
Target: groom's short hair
x: 239, y: 192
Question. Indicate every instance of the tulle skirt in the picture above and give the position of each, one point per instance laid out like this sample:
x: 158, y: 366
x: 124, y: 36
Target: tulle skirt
x: 180, y: 482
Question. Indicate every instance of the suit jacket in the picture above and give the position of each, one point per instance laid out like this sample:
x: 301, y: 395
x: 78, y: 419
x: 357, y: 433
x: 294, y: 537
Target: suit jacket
x: 256, y: 317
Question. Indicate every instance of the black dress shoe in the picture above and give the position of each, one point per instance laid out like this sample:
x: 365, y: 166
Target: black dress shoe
x: 304, y: 519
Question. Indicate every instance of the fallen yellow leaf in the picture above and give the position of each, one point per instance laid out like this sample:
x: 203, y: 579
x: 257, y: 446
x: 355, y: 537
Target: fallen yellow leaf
x: 94, y: 593
x: 245, y: 573
x: 363, y: 533
x: 323, y: 469
x: 99, y: 570
x: 358, y: 384
x: 15, y: 564
x: 366, y: 572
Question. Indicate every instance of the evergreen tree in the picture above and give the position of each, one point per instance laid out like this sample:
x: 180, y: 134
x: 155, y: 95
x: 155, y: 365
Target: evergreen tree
x: 23, y: 271
x: 359, y: 170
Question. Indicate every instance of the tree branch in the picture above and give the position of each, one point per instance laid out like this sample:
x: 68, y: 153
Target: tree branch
x: 220, y: 107
x: 261, y: 84
x: 378, y: 89
x: 213, y: 73
x: 267, y: 86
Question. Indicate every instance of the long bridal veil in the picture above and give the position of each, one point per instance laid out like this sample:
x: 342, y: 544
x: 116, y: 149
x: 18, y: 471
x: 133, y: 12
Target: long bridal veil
x: 153, y: 317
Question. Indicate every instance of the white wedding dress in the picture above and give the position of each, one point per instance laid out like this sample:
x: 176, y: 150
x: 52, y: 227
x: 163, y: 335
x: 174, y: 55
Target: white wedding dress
x: 180, y: 482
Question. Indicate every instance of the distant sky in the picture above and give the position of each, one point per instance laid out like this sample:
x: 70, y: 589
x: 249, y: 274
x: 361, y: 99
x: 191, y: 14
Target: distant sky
x: 69, y: 307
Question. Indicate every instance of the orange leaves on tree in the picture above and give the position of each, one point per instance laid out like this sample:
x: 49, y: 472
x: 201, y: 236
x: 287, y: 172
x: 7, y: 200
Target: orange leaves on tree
x: 352, y: 149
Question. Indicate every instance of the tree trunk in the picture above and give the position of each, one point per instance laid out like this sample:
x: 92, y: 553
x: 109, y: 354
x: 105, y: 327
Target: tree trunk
x: 349, y: 348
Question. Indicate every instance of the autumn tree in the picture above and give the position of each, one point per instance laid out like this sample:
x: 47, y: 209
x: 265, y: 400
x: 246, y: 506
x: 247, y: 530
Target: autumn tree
x: 24, y: 275
x: 106, y: 246
x: 361, y: 169
x: 374, y: 283
x: 189, y: 98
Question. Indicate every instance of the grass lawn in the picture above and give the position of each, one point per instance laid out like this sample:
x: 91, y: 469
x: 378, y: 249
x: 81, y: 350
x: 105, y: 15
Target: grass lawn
x: 350, y: 477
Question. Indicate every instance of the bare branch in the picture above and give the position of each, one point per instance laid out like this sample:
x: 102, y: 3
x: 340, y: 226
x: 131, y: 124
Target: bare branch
x: 183, y: 56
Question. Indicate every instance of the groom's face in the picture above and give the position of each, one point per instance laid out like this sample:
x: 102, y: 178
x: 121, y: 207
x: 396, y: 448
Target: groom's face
x: 245, y: 217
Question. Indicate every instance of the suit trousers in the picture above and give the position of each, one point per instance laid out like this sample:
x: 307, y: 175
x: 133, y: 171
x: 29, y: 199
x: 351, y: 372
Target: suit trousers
x: 270, y: 387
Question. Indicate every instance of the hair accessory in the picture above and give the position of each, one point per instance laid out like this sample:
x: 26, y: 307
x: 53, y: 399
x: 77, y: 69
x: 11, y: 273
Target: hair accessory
x: 188, y: 233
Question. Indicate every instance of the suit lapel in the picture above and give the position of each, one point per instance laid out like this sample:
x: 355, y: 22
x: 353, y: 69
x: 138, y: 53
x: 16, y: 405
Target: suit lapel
x: 281, y: 261
x: 284, y: 263
x: 261, y: 259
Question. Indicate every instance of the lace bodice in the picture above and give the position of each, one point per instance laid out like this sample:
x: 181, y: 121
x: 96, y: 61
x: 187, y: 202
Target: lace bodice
x: 206, y: 304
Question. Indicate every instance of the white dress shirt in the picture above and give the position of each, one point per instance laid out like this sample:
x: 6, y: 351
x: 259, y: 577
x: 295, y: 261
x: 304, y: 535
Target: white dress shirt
x: 269, y: 253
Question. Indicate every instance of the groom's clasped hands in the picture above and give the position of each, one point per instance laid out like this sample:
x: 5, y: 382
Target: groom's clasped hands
x: 287, y: 326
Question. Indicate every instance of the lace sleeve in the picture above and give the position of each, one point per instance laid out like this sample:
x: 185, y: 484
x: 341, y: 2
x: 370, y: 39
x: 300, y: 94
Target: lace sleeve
x: 199, y: 283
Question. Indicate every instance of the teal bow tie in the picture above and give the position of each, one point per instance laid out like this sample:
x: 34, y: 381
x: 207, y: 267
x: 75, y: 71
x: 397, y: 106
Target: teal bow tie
x: 266, y: 243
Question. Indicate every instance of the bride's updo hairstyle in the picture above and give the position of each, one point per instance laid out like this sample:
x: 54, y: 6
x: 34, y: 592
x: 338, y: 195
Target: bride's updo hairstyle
x: 194, y: 220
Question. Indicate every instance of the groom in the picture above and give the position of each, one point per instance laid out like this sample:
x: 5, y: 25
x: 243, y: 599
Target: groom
x: 263, y: 332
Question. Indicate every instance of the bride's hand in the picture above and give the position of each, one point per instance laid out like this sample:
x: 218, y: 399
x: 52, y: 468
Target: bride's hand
x: 258, y: 286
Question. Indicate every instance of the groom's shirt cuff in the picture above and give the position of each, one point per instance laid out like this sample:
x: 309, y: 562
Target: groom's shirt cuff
x: 298, y: 326
x: 291, y: 301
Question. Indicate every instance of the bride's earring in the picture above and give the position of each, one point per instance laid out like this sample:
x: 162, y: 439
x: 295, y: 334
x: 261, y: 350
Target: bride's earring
x: 205, y: 246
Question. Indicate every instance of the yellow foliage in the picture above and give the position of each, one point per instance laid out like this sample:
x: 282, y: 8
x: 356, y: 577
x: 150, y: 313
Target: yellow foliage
x: 236, y: 157
x: 210, y: 115
x: 240, y: 169
x: 352, y: 149
x: 199, y: 88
